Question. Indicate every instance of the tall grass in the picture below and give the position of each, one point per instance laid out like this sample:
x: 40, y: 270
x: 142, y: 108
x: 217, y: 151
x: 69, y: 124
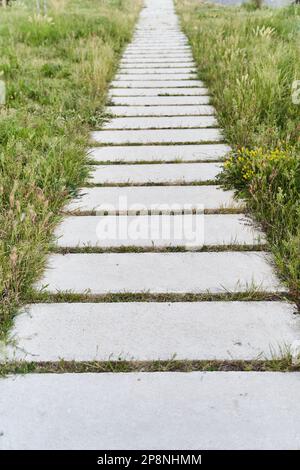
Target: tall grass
x: 249, y: 60
x: 56, y: 70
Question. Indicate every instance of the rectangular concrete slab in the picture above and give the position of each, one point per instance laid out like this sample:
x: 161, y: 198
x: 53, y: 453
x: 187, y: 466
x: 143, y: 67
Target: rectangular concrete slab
x: 159, y: 39
x: 196, y: 410
x: 159, y: 100
x: 156, y: 83
x: 134, y: 47
x: 174, y: 122
x: 178, y: 55
x: 150, y: 43
x: 152, y: 61
x: 157, y: 136
x: 159, y: 231
x: 166, y: 70
x: 212, y: 272
x: 164, y: 153
x: 145, y: 30
x: 141, y: 50
x: 169, y: 49
x: 152, y: 37
x: 156, y: 58
x: 189, y: 110
x: 135, y: 44
x: 153, y: 331
x: 131, y: 200
x: 156, y: 76
x: 172, y: 45
x: 158, y: 92
x: 154, y: 173
x: 169, y: 65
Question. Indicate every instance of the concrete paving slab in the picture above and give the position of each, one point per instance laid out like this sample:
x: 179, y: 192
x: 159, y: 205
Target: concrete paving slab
x: 159, y: 59
x: 196, y: 410
x: 158, y: 91
x: 157, y: 53
x: 154, y: 331
x: 189, y: 110
x: 165, y: 153
x: 157, y: 199
x: 215, y: 230
x: 157, y: 136
x: 188, y: 64
x: 171, y: 48
x: 159, y: 100
x: 134, y: 46
x: 161, y: 122
x: 159, y: 70
x: 212, y: 272
x: 154, y: 173
x: 156, y: 83
x: 144, y: 51
x: 153, y: 41
x: 156, y: 76
x: 156, y: 40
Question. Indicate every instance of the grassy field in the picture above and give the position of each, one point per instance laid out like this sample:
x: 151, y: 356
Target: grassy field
x: 250, y: 60
x: 56, y: 70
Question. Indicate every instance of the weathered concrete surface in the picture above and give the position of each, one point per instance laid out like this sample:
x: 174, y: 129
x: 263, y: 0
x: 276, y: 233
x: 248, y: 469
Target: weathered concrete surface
x: 164, y: 153
x: 154, y: 331
x: 135, y: 48
x: 156, y: 83
x: 158, y: 91
x: 166, y: 71
x: 197, y: 410
x: 214, y: 272
x: 157, y: 199
x: 225, y: 229
x: 157, y: 59
x: 156, y: 76
x: 159, y: 100
x: 161, y: 122
x: 172, y: 173
x: 158, y: 136
x: 129, y: 65
x: 190, y: 110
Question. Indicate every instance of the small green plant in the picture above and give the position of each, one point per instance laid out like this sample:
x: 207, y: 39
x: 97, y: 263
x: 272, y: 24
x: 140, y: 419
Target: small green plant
x: 270, y: 181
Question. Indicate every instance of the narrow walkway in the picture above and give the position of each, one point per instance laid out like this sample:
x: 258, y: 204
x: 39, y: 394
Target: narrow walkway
x: 153, y: 223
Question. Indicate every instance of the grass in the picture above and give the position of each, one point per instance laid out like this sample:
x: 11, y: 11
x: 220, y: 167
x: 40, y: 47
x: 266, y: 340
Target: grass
x: 56, y: 70
x: 252, y: 294
x: 281, y: 364
x: 159, y: 249
x: 249, y: 59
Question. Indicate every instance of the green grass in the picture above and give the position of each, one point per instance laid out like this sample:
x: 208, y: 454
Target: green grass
x: 283, y: 363
x: 252, y: 294
x: 56, y: 71
x: 249, y: 59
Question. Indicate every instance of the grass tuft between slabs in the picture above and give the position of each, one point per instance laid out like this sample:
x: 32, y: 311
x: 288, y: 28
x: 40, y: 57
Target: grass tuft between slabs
x: 282, y: 364
x: 56, y: 69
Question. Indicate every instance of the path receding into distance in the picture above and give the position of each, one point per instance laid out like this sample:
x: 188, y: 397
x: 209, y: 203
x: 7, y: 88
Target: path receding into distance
x: 159, y: 154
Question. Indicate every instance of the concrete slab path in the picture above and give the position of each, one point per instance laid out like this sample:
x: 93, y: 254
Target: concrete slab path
x: 153, y: 222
